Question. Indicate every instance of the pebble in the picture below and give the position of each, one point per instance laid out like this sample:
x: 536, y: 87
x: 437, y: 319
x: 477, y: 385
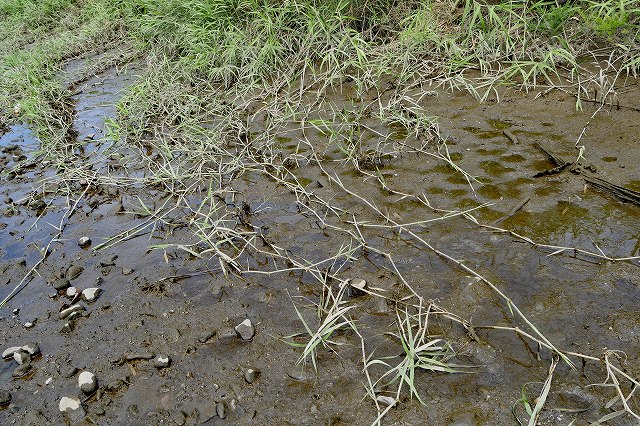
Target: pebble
x: 358, y: 284
x: 221, y: 410
x: 386, y: 400
x: 91, y: 294
x: 84, y: 241
x: 109, y: 261
x: 87, y: 382
x: 8, y: 353
x: 5, y: 397
x: 74, y: 308
x: 72, y: 407
x: 297, y: 372
x: 72, y: 291
x: 245, y: 329
x: 16, y: 311
x: 60, y: 283
x: 250, y: 375
x: 162, y: 361
x: 29, y: 324
x: 31, y: 348
x: 127, y: 271
x: 67, y: 328
x: 22, y: 357
x: 74, y: 272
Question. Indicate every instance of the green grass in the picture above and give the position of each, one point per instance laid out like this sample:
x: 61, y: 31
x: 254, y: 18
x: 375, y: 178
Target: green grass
x: 221, y: 44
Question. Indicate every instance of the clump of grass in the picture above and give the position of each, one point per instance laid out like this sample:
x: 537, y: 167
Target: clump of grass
x: 332, y: 317
x: 420, y: 352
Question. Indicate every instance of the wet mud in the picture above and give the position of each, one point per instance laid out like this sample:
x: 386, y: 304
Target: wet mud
x: 159, y: 300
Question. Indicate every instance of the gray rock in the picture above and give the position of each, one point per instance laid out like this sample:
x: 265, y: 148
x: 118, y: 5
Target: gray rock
x: 251, y: 375
x: 91, y: 294
x: 8, y: 353
x: 29, y: 324
x: 72, y: 291
x: 5, y: 397
x: 108, y: 261
x: 31, y: 348
x: 162, y: 361
x: 74, y: 308
x: 386, y: 400
x: 139, y: 356
x: 72, y: 407
x: 84, y: 241
x: 127, y: 271
x: 67, y: 327
x: 60, y: 283
x: 87, y: 382
x: 22, y: 357
x: 221, y: 410
x: 297, y: 372
x: 74, y: 272
x: 358, y: 284
x: 245, y: 329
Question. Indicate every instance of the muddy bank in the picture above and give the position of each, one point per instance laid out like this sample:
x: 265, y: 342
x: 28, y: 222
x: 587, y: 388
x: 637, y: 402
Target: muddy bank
x: 166, y: 295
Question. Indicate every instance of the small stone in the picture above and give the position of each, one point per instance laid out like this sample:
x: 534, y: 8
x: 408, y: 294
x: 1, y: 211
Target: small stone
x: 8, y: 353
x: 84, y: 241
x: 386, y: 400
x: 91, y: 294
x: 16, y: 311
x: 250, y: 375
x: 221, y: 410
x: 162, y: 361
x: 60, y: 283
x: 67, y: 327
x: 5, y: 397
x: 72, y: 407
x: 74, y: 308
x: 72, y: 291
x: 127, y: 271
x: 48, y: 381
x: 358, y: 284
x: 297, y: 372
x: 29, y: 324
x: 22, y: 357
x: 109, y: 261
x: 245, y: 330
x: 21, y: 371
x: 87, y: 382
x: 31, y: 348
x: 74, y: 272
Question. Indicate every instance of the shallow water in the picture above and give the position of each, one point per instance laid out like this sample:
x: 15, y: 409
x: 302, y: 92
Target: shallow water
x: 171, y: 299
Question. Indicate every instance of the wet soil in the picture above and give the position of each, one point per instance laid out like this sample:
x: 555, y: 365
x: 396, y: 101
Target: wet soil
x: 161, y: 300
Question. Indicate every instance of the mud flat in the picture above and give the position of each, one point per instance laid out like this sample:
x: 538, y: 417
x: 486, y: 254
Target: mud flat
x: 198, y: 300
